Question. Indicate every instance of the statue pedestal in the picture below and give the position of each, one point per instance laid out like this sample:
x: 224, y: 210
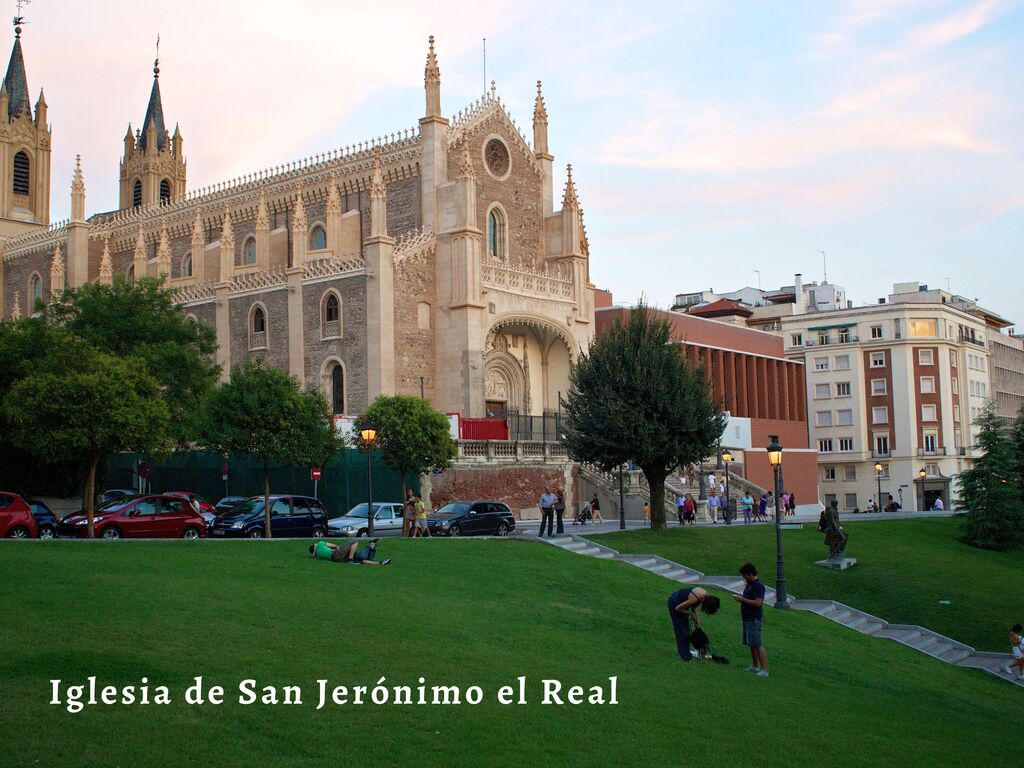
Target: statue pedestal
x: 840, y: 564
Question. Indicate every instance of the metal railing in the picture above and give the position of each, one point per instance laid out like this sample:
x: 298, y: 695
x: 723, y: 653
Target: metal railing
x: 931, y: 451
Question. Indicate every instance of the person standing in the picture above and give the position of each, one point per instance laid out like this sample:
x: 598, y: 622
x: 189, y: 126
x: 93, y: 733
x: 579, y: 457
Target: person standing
x: 647, y: 514
x: 713, y: 504
x: 422, y: 529
x: 595, y: 511
x: 748, y: 507
x: 723, y: 506
x: 680, y: 505
x: 792, y: 504
x: 547, y: 512
x: 559, y: 511
x: 690, y: 510
x: 762, y: 506
x: 409, y: 514
x: 682, y: 606
x: 752, y: 612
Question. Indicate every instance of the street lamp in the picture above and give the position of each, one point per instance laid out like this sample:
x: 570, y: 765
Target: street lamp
x: 726, y: 458
x: 878, y: 477
x: 368, y: 435
x: 775, y: 459
x: 922, y: 473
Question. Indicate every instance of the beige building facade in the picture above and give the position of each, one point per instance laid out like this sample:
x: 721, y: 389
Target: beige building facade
x: 430, y: 260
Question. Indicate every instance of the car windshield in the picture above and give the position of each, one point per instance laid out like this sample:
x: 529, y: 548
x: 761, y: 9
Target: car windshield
x: 455, y: 508
x: 117, y: 505
x: 359, y: 510
x: 247, y: 506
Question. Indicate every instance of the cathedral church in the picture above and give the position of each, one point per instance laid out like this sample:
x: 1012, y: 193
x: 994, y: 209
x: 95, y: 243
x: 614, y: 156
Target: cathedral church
x: 427, y: 261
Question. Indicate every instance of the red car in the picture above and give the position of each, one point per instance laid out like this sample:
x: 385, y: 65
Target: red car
x: 144, y: 517
x: 16, y: 520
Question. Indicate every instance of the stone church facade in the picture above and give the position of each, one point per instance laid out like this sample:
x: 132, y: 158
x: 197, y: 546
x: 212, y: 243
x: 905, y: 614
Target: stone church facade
x: 429, y: 260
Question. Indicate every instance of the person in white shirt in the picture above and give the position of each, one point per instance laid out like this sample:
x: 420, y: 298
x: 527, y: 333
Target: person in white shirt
x: 938, y: 503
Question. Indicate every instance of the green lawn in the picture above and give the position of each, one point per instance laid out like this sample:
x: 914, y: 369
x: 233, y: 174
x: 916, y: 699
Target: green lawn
x: 904, y: 568
x: 455, y: 612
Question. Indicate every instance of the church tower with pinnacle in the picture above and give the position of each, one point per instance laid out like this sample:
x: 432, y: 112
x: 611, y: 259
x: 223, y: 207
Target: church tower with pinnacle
x: 153, y: 166
x: 24, y: 150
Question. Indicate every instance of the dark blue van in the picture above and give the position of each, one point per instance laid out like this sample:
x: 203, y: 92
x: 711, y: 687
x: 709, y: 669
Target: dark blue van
x: 291, y: 517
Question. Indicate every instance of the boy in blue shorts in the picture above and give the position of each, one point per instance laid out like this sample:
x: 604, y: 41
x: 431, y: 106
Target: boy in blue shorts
x: 752, y: 612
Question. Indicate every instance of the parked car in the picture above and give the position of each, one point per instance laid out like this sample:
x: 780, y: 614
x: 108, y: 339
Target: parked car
x: 201, y: 505
x: 118, y: 493
x: 228, y: 502
x: 387, y: 519
x: 16, y: 520
x: 46, y: 522
x: 465, y: 518
x: 290, y: 517
x: 142, y: 517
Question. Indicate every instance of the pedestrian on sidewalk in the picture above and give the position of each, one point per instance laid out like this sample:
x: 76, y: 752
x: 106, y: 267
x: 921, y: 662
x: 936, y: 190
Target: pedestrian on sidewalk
x: 748, y: 507
x: 647, y: 514
x: 762, y: 507
x: 422, y: 529
x: 938, y: 503
x: 751, y: 613
x: 723, y: 506
x: 559, y: 511
x: 595, y: 510
x: 680, y: 507
x: 713, y: 504
x: 682, y: 606
x: 1017, y: 651
x: 791, y: 504
x: 547, y: 512
x: 409, y: 514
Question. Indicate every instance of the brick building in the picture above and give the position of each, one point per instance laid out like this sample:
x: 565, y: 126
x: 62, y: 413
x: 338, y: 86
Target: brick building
x: 429, y: 260
x: 762, y: 391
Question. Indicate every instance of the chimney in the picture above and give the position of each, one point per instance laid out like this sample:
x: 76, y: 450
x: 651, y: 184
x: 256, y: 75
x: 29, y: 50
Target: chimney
x: 798, y: 289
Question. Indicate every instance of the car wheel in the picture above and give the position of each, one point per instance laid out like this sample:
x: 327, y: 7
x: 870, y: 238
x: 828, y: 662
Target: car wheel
x: 319, y: 533
x: 502, y: 530
x: 190, y: 533
x: 18, y: 532
x: 256, y: 533
x: 455, y: 530
x: 111, y: 533
x: 361, y: 533
x: 47, y: 532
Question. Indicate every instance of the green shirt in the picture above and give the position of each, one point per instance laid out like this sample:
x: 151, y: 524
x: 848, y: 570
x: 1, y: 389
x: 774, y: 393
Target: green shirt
x: 321, y: 551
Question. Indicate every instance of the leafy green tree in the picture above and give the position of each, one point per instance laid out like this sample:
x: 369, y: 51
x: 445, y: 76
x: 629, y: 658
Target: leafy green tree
x: 989, y: 490
x: 263, y: 411
x: 80, y: 404
x: 140, y: 318
x: 633, y: 395
x: 414, y: 437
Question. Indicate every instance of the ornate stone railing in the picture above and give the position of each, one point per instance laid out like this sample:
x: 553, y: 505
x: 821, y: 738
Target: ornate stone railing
x: 255, y: 281
x: 526, y: 280
x: 190, y: 294
x: 414, y: 243
x: 27, y: 242
x: 483, y: 451
x: 331, y: 266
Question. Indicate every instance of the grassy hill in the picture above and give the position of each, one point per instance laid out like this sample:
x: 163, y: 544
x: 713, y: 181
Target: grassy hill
x: 904, y: 568
x: 457, y: 612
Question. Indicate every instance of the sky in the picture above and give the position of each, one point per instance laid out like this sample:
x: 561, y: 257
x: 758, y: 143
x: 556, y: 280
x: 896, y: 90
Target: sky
x: 710, y: 140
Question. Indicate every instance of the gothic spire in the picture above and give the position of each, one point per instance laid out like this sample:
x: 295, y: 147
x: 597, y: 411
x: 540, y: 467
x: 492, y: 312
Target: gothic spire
x: 16, y: 81
x: 540, y: 124
x: 432, y: 83
x: 569, y: 199
x: 154, y: 113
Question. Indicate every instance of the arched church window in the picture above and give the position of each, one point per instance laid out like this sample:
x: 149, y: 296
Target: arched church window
x: 259, y: 321
x: 496, y: 233
x: 258, y: 327
x: 130, y: 274
x: 186, y: 265
x: 137, y: 194
x: 249, y: 251
x: 21, y: 173
x: 165, y: 191
x: 317, y: 239
x: 35, y: 291
x: 337, y: 390
x: 330, y: 326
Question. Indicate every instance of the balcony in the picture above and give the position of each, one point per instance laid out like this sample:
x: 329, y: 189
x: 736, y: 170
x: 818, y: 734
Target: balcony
x: 931, y: 451
x: 965, y: 339
x: 876, y: 454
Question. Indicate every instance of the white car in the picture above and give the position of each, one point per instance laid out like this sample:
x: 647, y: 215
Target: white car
x: 387, y: 519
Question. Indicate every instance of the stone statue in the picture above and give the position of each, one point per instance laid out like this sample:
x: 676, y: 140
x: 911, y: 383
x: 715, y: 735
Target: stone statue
x: 835, y: 538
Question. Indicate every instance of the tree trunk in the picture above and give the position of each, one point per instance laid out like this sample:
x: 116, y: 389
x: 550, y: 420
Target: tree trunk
x: 656, y: 482
x: 266, y: 498
x: 90, y: 495
x: 405, y: 516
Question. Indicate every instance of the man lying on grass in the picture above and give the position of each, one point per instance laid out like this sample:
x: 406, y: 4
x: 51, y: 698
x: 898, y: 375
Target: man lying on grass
x: 324, y: 550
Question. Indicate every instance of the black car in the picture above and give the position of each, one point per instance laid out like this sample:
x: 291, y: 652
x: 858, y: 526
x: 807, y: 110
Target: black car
x: 290, y: 517
x: 468, y: 518
x: 228, y: 502
x: 46, y: 522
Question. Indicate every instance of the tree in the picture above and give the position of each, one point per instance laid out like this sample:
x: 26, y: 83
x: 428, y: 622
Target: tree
x: 140, y: 318
x: 413, y: 436
x: 1017, y: 443
x: 633, y: 395
x: 82, y: 404
x: 263, y: 411
x: 989, y: 489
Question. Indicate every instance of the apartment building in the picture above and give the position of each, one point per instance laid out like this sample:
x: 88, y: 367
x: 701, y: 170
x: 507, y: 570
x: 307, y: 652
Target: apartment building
x: 1007, y: 367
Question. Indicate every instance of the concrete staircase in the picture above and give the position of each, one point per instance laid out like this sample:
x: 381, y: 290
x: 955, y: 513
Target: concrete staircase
x: 921, y: 639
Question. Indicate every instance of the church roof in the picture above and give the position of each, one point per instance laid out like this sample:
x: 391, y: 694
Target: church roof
x: 154, y: 115
x: 17, y: 83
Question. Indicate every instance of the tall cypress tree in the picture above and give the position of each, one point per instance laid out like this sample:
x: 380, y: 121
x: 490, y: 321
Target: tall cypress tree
x: 989, y: 491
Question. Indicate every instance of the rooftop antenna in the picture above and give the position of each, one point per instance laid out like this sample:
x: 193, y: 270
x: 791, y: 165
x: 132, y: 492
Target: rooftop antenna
x: 485, y: 65
x: 19, y: 20
x: 156, y: 62
x: 824, y: 263
x: 758, y: 271
x: 948, y: 289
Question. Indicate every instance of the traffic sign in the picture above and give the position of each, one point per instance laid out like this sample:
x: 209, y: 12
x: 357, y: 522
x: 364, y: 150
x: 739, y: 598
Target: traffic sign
x: 314, y: 473
x: 145, y: 470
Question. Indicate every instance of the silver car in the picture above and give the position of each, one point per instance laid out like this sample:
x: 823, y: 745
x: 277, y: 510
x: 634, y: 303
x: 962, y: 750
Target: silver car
x: 387, y: 520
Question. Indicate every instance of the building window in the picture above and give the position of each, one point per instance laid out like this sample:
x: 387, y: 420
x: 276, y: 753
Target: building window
x: 925, y: 357
x: 882, y: 444
x: 823, y: 339
x: 258, y: 327
x: 137, y: 194
x: 823, y: 419
x: 496, y: 233
x: 821, y: 391
x: 337, y: 389
x: 22, y: 174
x: 317, y: 239
x: 884, y: 474
x: 846, y: 444
x: 850, y: 500
x: 842, y: 389
x: 928, y: 413
x: 821, y: 363
x: 844, y: 418
x: 932, y: 470
x: 927, y: 385
x: 880, y: 415
x: 797, y: 339
x: 165, y: 191
x: 956, y: 413
x: 879, y: 387
x: 186, y: 265
x: 921, y: 329
x: 423, y: 316
x: 878, y: 359
x: 829, y: 474
x: 956, y: 385
x: 842, y: 362
x: 849, y: 473
x: 35, y: 291
x: 930, y: 443
x: 249, y: 251
x: 330, y: 313
x: 952, y: 358
x: 844, y: 335
x: 825, y: 446
x: 876, y: 331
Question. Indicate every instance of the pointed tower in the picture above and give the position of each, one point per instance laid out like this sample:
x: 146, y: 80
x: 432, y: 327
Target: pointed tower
x: 434, y: 142
x: 153, y: 165
x: 540, y: 148
x: 24, y: 150
x: 379, y: 249
x: 78, y: 231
